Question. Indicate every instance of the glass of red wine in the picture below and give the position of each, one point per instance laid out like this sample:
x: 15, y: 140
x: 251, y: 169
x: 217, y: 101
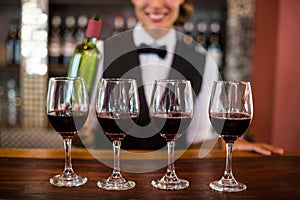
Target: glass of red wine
x: 230, y: 113
x: 171, y: 110
x: 117, y: 110
x: 67, y: 111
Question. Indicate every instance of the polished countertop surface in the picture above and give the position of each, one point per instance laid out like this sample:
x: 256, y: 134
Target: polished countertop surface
x: 25, y: 173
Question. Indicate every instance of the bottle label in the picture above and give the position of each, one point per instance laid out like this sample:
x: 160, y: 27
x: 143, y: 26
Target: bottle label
x: 93, y: 28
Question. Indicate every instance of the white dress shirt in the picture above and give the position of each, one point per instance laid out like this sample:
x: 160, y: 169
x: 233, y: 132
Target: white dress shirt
x: 153, y: 67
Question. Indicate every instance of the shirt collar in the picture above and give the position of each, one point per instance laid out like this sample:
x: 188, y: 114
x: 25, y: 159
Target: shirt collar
x: 141, y: 36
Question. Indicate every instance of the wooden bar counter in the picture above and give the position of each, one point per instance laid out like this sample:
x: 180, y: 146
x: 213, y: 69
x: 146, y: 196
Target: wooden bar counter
x: 25, y: 173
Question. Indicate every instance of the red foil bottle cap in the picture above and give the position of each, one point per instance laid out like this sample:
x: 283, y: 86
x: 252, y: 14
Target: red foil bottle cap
x: 93, y: 28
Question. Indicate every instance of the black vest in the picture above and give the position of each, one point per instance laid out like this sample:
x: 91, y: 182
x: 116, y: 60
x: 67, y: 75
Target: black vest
x: 121, y: 60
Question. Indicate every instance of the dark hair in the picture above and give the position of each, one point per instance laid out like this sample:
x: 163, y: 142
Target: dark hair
x: 186, y: 11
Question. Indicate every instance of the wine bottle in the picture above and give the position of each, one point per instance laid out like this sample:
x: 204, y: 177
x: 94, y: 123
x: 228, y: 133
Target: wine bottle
x: 82, y: 22
x: 214, y: 48
x: 119, y: 24
x: 17, y: 50
x: 69, y: 40
x: 188, y: 33
x: 55, y: 42
x: 86, y: 57
x: 10, y: 45
x: 202, y: 35
x: 131, y: 22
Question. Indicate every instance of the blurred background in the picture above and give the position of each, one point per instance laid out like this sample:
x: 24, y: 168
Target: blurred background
x: 252, y: 40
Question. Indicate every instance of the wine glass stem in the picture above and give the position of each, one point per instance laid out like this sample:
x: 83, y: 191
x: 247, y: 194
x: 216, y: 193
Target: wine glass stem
x: 228, y: 168
x: 116, y: 148
x: 171, y: 168
x: 68, y: 163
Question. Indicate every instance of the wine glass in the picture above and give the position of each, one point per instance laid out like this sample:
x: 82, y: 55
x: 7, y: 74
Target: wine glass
x: 171, y: 110
x: 67, y: 111
x: 117, y: 109
x: 230, y: 113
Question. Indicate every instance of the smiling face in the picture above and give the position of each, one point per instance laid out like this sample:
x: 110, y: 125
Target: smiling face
x: 157, y: 14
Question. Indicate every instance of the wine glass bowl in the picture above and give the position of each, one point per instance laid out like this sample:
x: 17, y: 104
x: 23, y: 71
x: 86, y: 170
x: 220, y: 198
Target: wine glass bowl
x: 230, y: 114
x: 67, y: 111
x: 117, y: 109
x: 171, y: 110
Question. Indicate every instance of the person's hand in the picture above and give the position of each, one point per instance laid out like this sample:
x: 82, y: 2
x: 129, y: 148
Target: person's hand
x: 262, y: 148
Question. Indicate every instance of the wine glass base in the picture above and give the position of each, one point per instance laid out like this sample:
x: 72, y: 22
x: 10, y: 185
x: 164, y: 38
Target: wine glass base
x: 116, y: 184
x: 216, y: 185
x: 62, y: 180
x: 164, y: 184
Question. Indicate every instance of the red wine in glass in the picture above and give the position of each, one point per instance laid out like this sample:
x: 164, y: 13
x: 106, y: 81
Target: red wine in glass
x: 116, y: 127
x: 117, y: 109
x: 171, y: 125
x: 230, y: 125
x: 230, y: 114
x: 67, y: 111
x: 171, y: 109
x: 67, y: 123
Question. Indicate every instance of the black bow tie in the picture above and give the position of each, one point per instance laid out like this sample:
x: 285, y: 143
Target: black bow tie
x: 160, y: 51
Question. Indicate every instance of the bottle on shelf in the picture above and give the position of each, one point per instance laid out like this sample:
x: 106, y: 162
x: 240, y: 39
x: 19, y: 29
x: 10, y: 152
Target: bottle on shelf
x: 55, y: 43
x: 119, y: 25
x: 69, y: 40
x: 82, y: 22
x: 86, y: 57
x: 202, y: 34
x: 188, y: 28
x: 131, y: 22
x: 17, y: 50
x: 214, y: 48
x: 12, y: 98
x: 10, y: 44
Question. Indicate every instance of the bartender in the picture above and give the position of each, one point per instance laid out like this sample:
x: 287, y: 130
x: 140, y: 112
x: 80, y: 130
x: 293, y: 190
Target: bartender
x: 154, y: 50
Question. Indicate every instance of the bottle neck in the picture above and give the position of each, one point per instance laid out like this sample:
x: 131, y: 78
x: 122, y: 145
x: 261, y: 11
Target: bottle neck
x: 93, y: 28
x: 90, y: 40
